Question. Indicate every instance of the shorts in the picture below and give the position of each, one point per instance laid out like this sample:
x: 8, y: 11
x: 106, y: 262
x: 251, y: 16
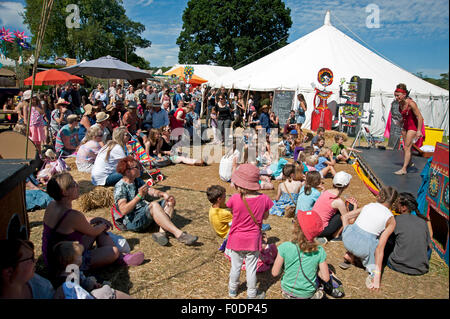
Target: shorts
x: 362, y: 244
x: 300, y: 119
x: 141, y: 220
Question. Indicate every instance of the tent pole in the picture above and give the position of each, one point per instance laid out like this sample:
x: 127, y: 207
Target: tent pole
x: 45, y: 15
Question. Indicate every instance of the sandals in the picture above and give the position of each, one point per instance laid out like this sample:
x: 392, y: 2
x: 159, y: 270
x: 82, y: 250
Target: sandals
x: 400, y: 172
x: 337, y: 293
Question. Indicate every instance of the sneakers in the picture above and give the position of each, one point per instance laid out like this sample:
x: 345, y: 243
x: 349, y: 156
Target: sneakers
x: 232, y: 293
x: 321, y: 240
x: 132, y: 259
x: 160, y: 238
x: 187, y: 239
x: 259, y: 295
x: 345, y: 265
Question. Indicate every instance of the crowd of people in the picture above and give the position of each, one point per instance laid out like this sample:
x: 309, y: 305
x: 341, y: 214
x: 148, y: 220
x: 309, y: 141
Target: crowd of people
x: 97, y: 128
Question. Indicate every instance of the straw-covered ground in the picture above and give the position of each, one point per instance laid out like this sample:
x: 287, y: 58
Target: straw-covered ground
x: 201, y: 271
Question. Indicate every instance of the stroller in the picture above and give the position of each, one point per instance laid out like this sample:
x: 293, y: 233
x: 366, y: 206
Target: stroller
x: 146, y: 161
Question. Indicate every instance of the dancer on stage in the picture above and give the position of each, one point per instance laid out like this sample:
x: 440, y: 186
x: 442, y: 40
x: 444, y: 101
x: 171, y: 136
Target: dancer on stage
x: 412, y: 124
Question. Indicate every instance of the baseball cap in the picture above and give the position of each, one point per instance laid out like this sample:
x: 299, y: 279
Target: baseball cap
x: 341, y: 179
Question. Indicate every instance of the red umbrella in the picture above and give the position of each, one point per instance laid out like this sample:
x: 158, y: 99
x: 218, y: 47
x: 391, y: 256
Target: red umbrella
x: 53, y: 77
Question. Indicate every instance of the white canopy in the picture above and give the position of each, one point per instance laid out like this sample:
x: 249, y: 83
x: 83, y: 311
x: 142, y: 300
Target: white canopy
x: 207, y: 72
x: 296, y: 65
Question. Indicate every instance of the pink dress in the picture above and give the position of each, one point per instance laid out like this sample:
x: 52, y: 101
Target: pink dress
x: 244, y: 234
x: 323, y: 207
x: 37, y: 132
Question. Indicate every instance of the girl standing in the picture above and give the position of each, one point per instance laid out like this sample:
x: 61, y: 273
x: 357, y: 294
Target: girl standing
x: 249, y: 208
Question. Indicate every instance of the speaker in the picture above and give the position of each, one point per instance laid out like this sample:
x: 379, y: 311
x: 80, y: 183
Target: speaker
x: 364, y: 88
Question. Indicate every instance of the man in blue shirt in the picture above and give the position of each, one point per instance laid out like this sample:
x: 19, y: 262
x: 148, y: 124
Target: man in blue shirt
x: 160, y: 117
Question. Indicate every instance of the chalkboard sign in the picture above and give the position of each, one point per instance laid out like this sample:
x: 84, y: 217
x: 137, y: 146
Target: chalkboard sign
x: 282, y: 104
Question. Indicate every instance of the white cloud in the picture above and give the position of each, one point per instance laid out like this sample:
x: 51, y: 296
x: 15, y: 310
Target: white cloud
x: 160, y: 54
x: 398, y: 19
x: 145, y: 3
x: 10, y: 16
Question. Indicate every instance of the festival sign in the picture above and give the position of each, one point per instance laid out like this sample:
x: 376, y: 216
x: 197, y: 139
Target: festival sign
x: 283, y: 101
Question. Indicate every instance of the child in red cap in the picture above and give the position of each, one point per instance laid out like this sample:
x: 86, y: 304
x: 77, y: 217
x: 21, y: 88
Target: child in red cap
x: 303, y: 259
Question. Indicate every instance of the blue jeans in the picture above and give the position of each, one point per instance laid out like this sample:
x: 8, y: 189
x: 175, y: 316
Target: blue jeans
x: 112, y: 179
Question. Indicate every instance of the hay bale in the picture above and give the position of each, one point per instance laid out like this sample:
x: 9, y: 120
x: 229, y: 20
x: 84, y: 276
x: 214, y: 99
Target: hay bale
x: 99, y: 197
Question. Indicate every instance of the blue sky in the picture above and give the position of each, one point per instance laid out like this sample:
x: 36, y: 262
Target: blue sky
x: 413, y: 34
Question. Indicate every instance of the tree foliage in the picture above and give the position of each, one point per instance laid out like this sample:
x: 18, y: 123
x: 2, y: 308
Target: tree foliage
x: 104, y: 29
x: 442, y: 82
x: 231, y: 32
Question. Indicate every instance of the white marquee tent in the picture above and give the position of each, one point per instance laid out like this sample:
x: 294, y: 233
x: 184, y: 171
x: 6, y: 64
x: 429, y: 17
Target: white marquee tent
x: 207, y: 72
x: 295, y: 67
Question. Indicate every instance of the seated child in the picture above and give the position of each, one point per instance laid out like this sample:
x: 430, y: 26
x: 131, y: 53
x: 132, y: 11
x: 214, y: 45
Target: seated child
x: 298, y: 147
x: 219, y: 216
x: 52, y: 165
x: 320, y: 133
x: 320, y: 143
x: 304, y: 260
x: 287, y: 192
x: 325, y: 162
x: 311, y: 162
x: 340, y: 151
x: 71, y: 253
x: 266, y: 257
x: 310, y: 192
x: 409, y: 248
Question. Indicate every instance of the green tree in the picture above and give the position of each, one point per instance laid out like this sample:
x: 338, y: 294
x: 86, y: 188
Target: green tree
x: 442, y: 82
x: 232, y: 33
x: 104, y: 29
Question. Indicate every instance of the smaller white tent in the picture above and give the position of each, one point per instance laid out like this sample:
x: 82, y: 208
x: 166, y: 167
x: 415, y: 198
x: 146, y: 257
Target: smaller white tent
x: 207, y: 72
x: 295, y: 67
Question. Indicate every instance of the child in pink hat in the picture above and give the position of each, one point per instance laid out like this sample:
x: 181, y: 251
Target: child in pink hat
x: 244, y: 239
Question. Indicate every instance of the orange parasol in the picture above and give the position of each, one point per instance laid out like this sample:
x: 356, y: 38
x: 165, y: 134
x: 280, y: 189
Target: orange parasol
x: 53, y: 77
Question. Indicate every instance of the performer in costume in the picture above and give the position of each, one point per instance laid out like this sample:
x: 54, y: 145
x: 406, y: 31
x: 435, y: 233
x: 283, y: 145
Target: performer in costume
x: 412, y: 124
x: 321, y: 116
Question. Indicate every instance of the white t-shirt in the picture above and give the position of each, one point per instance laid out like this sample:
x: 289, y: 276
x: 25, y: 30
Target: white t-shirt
x: 373, y: 218
x: 102, y: 168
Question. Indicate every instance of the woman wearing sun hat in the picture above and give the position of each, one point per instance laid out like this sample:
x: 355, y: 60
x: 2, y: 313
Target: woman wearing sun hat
x: 249, y: 208
x: 87, y: 120
x: 58, y: 117
x: 67, y: 138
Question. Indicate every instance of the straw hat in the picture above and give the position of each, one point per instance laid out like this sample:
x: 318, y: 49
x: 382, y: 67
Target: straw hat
x: 27, y: 95
x: 101, y: 117
x: 264, y: 107
x: 110, y: 107
x: 62, y: 101
x: 88, y: 109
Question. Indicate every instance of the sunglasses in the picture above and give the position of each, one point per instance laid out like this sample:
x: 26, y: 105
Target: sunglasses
x: 32, y: 258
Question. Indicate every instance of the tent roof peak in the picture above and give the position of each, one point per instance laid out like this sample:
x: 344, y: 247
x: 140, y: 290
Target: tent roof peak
x: 327, y: 20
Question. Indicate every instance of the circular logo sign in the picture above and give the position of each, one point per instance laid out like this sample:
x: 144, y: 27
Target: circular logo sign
x: 325, y: 77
